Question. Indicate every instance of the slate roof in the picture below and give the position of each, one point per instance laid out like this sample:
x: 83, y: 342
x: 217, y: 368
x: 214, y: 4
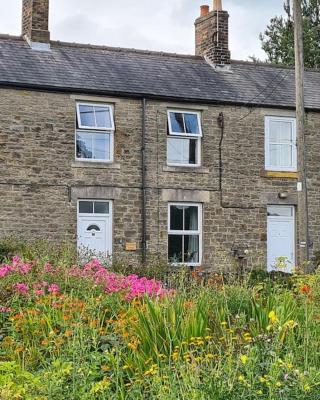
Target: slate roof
x: 127, y: 72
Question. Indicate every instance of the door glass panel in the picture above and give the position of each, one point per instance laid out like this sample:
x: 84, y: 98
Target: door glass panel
x: 278, y: 211
x: 101, y: 207
x: 93, y: 228
x: 86, y: 207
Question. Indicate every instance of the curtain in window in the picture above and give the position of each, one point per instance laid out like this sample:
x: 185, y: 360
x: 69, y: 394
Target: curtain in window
x: 191, y: 242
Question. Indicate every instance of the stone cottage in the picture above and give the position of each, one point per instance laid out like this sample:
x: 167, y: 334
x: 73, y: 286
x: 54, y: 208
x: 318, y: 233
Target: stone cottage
x: 191, y: 158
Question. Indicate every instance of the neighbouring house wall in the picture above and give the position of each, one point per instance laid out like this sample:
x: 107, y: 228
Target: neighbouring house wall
x: 41, y: 181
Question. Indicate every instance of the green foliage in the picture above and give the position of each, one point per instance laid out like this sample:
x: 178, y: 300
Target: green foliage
x: 278, y: 39
x: 251, y: 338
x: 17, y: 383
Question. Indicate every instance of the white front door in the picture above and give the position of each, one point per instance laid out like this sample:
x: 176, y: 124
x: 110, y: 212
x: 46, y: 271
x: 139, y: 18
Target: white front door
x: 95, y: 227
x: 281, y: 238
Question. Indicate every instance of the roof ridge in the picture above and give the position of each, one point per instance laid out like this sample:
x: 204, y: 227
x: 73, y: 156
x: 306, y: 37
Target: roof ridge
x: 7, y: 36
x: 154, y: 52
x: 268, y: 64
x: 123, y: 49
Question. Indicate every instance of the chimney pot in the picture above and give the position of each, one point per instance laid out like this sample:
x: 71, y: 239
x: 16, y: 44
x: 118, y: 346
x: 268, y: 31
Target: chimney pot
x: 212, y: 35
x: 217, y: 5
x: 204, y: 10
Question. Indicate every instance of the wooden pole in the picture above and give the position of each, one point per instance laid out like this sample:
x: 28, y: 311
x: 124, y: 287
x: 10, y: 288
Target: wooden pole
x: 303, y: 212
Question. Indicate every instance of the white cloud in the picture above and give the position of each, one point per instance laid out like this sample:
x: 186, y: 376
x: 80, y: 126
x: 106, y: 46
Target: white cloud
x: 148, y: 24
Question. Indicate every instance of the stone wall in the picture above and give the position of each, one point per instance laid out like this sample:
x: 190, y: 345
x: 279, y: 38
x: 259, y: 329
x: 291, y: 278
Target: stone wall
x: 41, y: 181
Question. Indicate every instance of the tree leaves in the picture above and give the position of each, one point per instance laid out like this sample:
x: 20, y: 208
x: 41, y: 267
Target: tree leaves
x: 278, y: 38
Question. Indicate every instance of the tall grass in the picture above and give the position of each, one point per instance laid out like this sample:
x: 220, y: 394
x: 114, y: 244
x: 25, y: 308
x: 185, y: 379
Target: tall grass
x: 207, y: 339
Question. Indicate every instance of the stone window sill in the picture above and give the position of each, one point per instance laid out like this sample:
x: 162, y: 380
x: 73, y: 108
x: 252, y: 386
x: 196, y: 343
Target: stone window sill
x: 186, y: 170
x: 279, y: 174
x: 94, y: 165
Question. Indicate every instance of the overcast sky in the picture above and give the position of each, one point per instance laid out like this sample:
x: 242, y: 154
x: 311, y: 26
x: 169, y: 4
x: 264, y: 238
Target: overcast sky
x: 165, y: 25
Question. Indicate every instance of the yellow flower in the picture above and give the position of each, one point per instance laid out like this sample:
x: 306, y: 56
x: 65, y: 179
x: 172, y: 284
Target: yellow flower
x: 244, y: 359
x: 306, y: 388
x: 290, y: 324
x: 262, y: 379
x: 241, y: 378
x: 273, y: 317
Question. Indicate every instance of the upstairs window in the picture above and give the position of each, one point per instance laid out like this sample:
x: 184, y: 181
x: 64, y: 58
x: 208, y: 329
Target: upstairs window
x: 184, y: 138
x: 184, y: 234
x: 95, y: 130
x: 280, y: 144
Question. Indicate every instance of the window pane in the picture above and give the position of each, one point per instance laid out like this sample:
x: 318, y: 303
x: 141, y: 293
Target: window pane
x: 86, y: 207
x: 177, y: 125
x: 281, y: 155
x: 275, y: 155
x: 84, y: 145
x: 87, y: 115
x: 103, y: 117
x: 286, y: 132
x: 193, y: 151
x: 175, y: 248
x: 191, y: 249
x: 191, y: 122
x: 275, y: 131
x: 101, y: 207
x: 176, y: 218
x: 286, y: 155
x: 191, y: 218
x: 101, y: 146
x: 181, y: 151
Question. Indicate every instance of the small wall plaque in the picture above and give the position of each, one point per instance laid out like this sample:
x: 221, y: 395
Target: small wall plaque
x: 131, y: 246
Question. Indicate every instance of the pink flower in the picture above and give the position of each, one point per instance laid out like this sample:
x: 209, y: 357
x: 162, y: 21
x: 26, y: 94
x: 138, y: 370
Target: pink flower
x: 53, y: 288
x: 5, y: 309
x: 22, y: 288
x: 16, y: 260
x: 25, y: 268
x: 5, y: 270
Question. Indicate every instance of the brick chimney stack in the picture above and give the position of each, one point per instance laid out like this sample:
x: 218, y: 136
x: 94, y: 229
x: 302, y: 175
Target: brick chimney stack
x: 35, y: 23
x: 212, y: 34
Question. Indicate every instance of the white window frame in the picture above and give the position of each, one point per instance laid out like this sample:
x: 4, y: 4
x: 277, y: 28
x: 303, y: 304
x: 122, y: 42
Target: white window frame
x: 187, y: 233
x: 95, y: 128
x: 193, y: 136
x: 268, y: 166
x: 101, y: 131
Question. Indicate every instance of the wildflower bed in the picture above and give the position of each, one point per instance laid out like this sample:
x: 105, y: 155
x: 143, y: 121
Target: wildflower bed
x: 83, y: 332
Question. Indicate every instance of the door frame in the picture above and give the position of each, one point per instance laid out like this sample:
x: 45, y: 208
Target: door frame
x: 102, y: 216
x: 294, y: 231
